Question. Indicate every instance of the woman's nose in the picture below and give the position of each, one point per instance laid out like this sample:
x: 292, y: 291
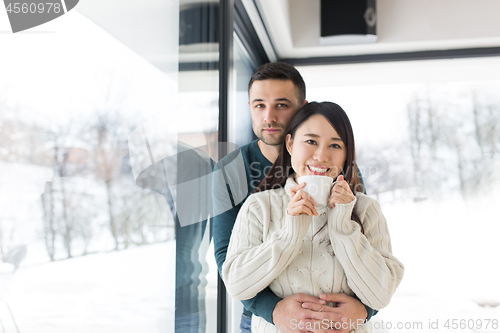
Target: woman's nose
x: 321, y: 154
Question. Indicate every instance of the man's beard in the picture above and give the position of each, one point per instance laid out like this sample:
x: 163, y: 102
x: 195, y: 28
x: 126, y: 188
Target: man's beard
x: 271, y: 140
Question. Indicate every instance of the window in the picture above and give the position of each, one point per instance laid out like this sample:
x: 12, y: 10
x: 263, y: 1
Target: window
x: 85, y: 245
x: 427, y: 139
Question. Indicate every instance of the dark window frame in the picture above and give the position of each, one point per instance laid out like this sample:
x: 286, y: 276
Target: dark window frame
x: 401, y: 56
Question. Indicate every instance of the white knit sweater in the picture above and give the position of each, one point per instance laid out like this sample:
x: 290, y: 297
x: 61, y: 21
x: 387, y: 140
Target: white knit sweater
x: 310, y: 255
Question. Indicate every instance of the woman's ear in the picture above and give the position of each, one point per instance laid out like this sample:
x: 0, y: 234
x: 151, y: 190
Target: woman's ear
x: 289, y: 142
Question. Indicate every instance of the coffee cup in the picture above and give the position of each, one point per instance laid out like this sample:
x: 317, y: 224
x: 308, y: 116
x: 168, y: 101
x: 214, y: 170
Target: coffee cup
x: 318, y: 187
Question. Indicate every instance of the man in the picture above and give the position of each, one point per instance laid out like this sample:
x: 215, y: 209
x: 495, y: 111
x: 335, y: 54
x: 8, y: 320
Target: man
x: 276, y: 93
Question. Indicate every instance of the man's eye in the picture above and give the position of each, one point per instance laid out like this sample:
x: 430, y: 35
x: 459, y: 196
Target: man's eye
x: 280, y: 105
x: 259, y: 106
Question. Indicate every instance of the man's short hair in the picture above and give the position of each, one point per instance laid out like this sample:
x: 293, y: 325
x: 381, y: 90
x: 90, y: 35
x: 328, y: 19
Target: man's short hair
x: 280, y: 71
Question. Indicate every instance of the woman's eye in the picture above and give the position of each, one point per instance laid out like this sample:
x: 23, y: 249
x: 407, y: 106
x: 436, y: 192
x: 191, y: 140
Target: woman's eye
x: 311, y: 142
x: 335, y: 145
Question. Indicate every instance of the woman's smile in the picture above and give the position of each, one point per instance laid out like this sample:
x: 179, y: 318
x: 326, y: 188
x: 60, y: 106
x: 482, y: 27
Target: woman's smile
x: 317, y: 170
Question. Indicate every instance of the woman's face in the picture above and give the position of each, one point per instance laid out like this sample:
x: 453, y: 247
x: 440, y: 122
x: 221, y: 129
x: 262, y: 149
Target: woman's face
x: 316, y: 149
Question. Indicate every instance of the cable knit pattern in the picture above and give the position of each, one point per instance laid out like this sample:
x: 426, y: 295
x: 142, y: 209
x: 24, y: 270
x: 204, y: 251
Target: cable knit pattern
x: 310, y: 255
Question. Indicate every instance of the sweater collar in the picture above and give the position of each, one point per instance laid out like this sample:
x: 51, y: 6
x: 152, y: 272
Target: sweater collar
x: 290, y: 182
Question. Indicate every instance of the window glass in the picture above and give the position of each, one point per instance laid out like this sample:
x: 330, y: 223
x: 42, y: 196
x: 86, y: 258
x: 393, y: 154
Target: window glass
x: 240, y: 123
x: 428, y: 145
x: 197, y: 153
x: 240, y: 133
x: 87, y: 234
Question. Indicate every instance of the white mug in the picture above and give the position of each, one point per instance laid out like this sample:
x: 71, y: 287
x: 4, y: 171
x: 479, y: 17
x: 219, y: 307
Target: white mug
x: 318, y: 187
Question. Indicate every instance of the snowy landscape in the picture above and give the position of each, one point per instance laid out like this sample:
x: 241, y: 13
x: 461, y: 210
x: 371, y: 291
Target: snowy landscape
x: 127, y: 291
x: 448, y: 249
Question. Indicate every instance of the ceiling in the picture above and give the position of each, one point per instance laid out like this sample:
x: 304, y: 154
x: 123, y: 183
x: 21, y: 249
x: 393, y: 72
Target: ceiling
x: 402, y: 26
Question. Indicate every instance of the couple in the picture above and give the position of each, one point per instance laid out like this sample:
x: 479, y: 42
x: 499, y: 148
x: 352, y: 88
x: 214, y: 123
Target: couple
x: 288, y: 261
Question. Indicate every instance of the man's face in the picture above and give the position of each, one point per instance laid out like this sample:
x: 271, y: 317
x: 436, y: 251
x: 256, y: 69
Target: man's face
x: 273, y: 104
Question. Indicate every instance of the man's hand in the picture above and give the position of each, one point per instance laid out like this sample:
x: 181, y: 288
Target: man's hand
x: 290, y: 315
x: 289, y: 312
x: 348, y: 314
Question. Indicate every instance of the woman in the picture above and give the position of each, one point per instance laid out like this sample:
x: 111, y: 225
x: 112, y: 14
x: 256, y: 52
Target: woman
x: 282, y: 241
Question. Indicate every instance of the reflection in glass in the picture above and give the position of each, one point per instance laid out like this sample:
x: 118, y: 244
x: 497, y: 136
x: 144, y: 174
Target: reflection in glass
x: 240, y: 123
x: 239, y: 132
x: 198, y: 112
x: 95, y: 244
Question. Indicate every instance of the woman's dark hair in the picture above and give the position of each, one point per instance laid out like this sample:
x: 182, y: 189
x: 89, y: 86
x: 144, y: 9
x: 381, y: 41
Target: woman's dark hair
x: 282, y: 168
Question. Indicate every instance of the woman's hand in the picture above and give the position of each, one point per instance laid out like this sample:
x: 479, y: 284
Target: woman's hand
x: 301, y: 202
x: 341, y: 192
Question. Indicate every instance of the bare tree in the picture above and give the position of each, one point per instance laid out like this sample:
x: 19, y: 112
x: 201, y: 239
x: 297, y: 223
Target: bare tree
x: 453, y: 136
x: 486, y: 112
x: 66, y: 213
x: 416, y: 136
x: 493, y: 129
x: 49, y: 227
x: 109, y: 146
x: 433, y: 126
x: 57, y: 136
x: 384, y: 167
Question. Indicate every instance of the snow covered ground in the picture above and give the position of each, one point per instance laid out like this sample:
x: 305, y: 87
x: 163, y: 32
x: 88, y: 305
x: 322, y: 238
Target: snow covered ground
x: 126, y: 291
x: 449, y: 249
